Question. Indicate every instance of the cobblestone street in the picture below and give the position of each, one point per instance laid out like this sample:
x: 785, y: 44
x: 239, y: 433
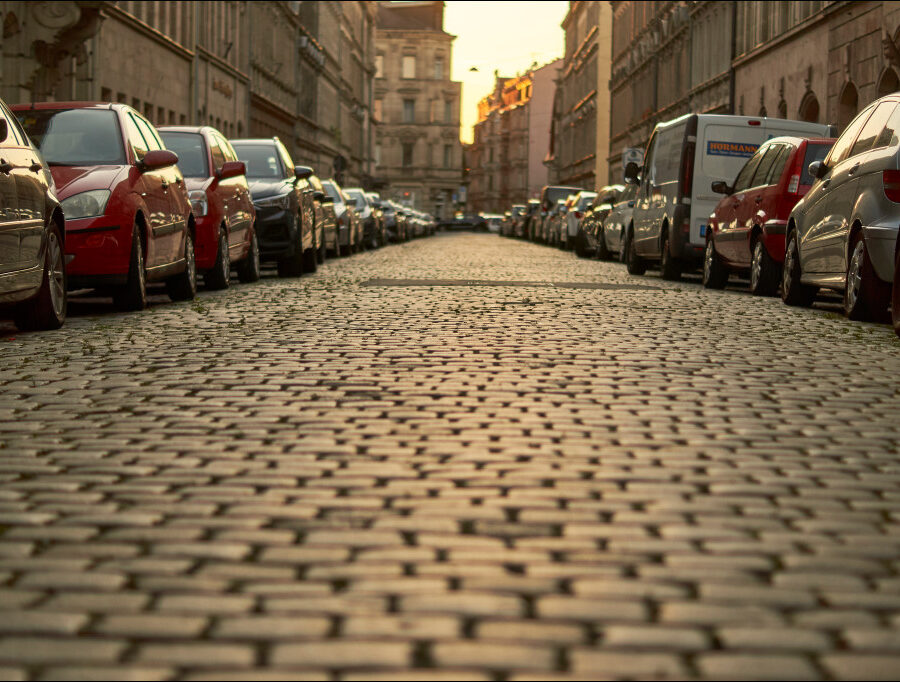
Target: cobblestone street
x: 357, y: 476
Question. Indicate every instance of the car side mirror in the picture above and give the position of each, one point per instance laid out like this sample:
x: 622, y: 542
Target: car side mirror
x: 4, y: 130
x: 721, y: 187
x: 232, y: 169
x: 632, y: 173
x: 319, y: 196
x: 326, y: 198
x: 631, y: 204
x: 157, y: 158
x: 302, y: 172
x: 818, y: 169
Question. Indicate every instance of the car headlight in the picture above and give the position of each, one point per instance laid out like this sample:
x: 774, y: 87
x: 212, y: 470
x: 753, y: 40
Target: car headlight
x: 85, y: 204
x: 279, y: 201
x: 199, y: 203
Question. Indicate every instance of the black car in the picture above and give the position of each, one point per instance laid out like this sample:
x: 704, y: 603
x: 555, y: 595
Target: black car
x: 285, y: 213
x: 32, y: 233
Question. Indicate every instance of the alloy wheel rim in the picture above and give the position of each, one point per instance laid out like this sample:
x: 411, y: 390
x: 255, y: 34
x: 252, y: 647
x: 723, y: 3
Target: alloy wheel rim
x: 140, y: 267
x: 226, y: 266
x: 854, y: 275
x: 788, y: 267
x: 756, y: 266
x: 191, y: 265
x: 57, y: 275
x: 707, y: 262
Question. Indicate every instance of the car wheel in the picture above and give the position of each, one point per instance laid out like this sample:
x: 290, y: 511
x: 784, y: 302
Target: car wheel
x: 633, y: 263
x: 669, y: 266
x: 133, y: 296
x: 48, y: 309
x: 183, y: 286
x: 322, y: 255
x: 895, y: 295
x: 715, y: 274
x: 248, y: 269
x: 292, y: 266
x: 793, y: 291
x: 603, y: 252
x: 310, y: 260
x: 865, y: 296
x: 764, y: 274
x: 219, y: 276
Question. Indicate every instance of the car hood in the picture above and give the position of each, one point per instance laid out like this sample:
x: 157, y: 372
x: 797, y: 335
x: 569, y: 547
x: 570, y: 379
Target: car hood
x: 197, y: 183
x: 260, y: 188
x: 71, y: 180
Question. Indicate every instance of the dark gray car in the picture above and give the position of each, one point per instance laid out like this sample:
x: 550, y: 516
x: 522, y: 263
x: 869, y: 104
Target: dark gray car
x: 32, y: 233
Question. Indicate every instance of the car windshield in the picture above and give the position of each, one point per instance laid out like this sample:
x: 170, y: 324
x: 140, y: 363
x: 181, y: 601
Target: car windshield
x: 332, y: 191
x: 357, y: 197
x: 75, y: 137
x: 261, y: 160
x: 191, y: 152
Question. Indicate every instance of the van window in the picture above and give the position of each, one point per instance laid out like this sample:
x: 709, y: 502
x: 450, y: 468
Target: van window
x: 648, y: 174
x: 765, y: 165
x: 872, y: 130
x: 841, y: 148
x: 742, y: 181
x: 778, y: 165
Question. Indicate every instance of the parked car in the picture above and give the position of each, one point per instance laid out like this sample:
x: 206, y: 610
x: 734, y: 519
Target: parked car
x: 391, y: 225
x: 527, y: 227
x: 32, y: 233
x: 378, y: 211
x: 554, y: 223
x: 843, y: 234
x: 372, y: 237
x: 128, y: 216
x: 572, y: 236
x: 221, y: 203
x: 325, y: 219
x: 747, y: 228
x: 550, y: 195
x: 611, y: 234
x: 284, y: 218
x: 895, y: 291
x: 492, y: 221
x: 348, y: 227
x: 673, y: 200
x: 588, y: 240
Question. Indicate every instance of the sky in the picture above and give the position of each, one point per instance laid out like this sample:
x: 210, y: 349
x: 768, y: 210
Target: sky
x: 508, y: 36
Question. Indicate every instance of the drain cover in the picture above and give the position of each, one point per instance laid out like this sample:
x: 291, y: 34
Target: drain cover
x: 502, y: 283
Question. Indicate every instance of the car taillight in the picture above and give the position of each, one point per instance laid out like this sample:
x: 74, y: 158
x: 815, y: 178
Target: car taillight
x: 891, y: 181
x: 578, y: 215
x: 687, y: 169
x: 794, y: 184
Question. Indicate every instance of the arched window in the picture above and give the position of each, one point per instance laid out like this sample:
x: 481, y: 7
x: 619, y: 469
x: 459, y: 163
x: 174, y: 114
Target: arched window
x: 888, y: 82
x: 809, y: 108
x: 782, y: 109
x: 762, y: 111
x: 848, y: 105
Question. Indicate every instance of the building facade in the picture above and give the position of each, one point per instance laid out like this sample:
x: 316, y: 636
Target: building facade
x: 418, y: 154
x: 572, y: 158
x: 506, y: 158
x: 300, y: 70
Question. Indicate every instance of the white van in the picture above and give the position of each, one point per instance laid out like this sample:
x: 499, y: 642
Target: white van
x: 674, y: 199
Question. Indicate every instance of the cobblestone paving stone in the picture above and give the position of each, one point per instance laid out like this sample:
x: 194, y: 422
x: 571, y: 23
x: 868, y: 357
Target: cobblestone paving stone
x: 314, y: 479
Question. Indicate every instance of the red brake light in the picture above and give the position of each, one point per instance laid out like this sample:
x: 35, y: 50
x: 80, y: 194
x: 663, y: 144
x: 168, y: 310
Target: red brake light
x: 687, y: 169
x: 753, y: 123
x: 891, y: 181
x: 578, y: 214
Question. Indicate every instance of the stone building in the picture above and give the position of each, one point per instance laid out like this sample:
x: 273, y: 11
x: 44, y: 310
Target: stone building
x: 573, y: 147
x: 510, y: 139
x: 418, y: 154
x: 301, y: 71
x: 336, y: 74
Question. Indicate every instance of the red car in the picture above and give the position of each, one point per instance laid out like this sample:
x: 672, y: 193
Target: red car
x: 128, y: 217
x: 221, y: 203
x: 747, y: 228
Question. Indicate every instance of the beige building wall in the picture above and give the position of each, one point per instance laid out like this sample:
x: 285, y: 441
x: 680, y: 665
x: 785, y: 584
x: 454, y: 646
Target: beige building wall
x: 540, y: 119
x: 604, y: 66
x: 417, y: 149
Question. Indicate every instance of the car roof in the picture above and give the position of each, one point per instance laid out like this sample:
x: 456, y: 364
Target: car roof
x: 255, y: 140
x: 797, y: 140
x: 185, y: 129
x: 68, y: 105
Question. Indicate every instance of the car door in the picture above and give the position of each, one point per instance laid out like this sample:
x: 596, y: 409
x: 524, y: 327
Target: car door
x: 239, y: 209
x: 748, y: 213
x: 734, y: 212
x: 149, y: 185
x: 177, y: 204
x: 644, y: 208
x: 821, y: 222
x: 9, y: 203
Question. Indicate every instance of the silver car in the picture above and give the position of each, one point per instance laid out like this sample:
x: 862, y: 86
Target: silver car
x: 843, y: 234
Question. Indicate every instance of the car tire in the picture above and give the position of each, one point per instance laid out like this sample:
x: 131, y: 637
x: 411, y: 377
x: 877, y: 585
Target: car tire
x: 793, y: 291
x: 248, y: 270
x: 310, y: 260
x: 322, y: 252
x: 669, y: 266
x: 603, y: 252
x: 895, y: 295
x: 292, y: 266
x: 633, y: 263
x: 715, y: 274
x: 48, y: 309
x: 866, y: 297
x: 219, y: 276
x: 183, y: 286
x: 133, y: 296
x: 764, y: 272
